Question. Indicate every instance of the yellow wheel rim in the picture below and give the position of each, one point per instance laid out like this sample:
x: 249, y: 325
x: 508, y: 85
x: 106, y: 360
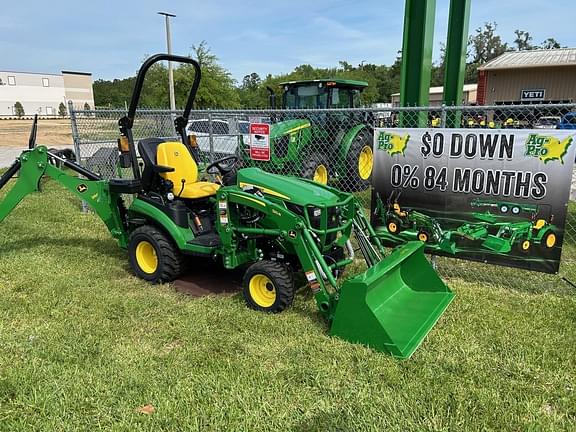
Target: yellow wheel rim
x: 551, y: 240
x: 525, y: 245
x: 423, y: 237
x: 321, y: 174
x: 146, y: 257
x: 365, y: 163
x: 262, y: 290
x: 392, y: 227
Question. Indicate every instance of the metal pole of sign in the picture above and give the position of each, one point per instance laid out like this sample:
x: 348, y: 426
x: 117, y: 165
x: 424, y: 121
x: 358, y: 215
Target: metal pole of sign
x: 167, y: 17
x: 443, y: 116
x: 76, y: 142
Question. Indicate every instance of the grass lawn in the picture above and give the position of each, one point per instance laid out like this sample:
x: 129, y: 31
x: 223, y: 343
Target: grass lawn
x: 84, y: 344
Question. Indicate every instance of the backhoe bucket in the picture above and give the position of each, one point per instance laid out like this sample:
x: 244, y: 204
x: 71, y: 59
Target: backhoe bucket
x: 393, y: 305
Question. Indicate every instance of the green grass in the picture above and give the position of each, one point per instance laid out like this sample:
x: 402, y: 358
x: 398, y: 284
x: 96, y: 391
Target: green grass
x: 83, y: 344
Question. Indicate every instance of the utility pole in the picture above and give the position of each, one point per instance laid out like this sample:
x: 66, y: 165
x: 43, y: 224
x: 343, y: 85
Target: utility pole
x: 167, y: 17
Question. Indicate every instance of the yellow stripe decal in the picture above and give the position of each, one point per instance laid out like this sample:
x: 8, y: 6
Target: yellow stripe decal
x: 251, y: 199
x: 296, y: 129
x: 265, y: 190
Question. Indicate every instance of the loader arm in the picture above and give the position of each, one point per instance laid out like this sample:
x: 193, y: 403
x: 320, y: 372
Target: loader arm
x: 32, y: 165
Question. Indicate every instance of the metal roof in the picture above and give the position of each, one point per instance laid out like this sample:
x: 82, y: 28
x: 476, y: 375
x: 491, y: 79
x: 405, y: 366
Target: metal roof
x: 343, y: 82
x: 533, y: 58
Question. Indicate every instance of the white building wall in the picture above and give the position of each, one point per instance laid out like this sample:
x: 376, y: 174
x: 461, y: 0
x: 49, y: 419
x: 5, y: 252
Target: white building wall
x: 38, y: 93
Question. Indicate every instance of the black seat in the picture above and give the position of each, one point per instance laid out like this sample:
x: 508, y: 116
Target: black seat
x: 147, y: 149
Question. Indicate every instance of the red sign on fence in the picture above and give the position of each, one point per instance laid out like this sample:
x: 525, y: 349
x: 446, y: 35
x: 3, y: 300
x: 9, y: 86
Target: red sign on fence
x: 260, y: 141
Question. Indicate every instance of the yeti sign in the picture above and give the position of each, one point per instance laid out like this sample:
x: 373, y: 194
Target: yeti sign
x: 532, y: 94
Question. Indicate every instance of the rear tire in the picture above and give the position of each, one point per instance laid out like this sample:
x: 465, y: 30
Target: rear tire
x: 268, y: 286
x: 153, y: 256
x: 358, y: 165
x: 549, y: 240
x: 315, y: 167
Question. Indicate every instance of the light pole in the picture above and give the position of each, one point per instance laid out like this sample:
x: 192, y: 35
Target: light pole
x: 167, y: 16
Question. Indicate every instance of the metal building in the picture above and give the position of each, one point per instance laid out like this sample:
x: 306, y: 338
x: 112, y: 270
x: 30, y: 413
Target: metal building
x: 42, y: 93
x: 469, y: 95
x: 526, y: 77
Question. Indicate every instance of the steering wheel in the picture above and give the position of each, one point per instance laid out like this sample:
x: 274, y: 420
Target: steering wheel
x: 222, y: 169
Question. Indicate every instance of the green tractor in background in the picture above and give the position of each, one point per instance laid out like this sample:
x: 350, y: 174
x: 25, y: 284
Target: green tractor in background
x: 324, y: 146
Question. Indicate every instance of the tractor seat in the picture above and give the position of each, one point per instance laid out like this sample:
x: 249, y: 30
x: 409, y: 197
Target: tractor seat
x: 172, y: 161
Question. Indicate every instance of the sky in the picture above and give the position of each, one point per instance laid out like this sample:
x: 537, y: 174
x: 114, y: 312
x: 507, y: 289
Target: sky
x: 111, y: 38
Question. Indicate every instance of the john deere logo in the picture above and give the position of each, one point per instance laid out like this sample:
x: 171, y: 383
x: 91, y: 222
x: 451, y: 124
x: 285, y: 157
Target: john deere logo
x: 392, y: 143
x: 292, y: 234
x: 82, y: 188
x: 547, y: 148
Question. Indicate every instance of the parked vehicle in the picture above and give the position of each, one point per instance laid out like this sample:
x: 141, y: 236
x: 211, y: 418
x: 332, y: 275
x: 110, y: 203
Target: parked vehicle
x: 568, y: 121
x: 226, y: 134
x: 547, y: 122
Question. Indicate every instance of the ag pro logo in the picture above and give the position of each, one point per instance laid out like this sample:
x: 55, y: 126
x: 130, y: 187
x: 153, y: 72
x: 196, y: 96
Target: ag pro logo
x: 547, y: 148
x: 392, y: 143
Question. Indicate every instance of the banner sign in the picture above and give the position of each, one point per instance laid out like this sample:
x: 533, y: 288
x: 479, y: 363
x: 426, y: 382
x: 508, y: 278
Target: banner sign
x: 492, y: 195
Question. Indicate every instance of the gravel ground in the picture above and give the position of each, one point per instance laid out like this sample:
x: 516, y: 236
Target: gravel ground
x: 8, y: 154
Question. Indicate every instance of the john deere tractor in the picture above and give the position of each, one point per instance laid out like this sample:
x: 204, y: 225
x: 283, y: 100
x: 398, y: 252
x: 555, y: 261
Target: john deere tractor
x: 273, y: 227
x: 324, y: 146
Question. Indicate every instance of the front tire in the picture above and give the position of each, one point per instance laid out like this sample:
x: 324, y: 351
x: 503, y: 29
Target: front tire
x: 153, y: 256
x: 315, y: 167
x: 268, y: 286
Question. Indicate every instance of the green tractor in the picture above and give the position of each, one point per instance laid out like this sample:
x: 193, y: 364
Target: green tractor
x: 320, y: 145
x: 415, y: 224
x: 497, y: 234
x: 276, y: 229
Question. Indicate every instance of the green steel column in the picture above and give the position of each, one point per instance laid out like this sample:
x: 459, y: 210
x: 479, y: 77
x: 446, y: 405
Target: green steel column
x: 416, y: 59
x: 455, y: 62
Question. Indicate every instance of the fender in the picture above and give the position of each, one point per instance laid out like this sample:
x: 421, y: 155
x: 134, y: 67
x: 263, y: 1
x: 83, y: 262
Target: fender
x: 179, y: 235
x: 347, y: 140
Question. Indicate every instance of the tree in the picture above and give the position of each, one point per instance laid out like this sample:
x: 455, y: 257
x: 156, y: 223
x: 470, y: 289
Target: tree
x: 217, y: 89
x: 485, y: 44
x: 523, y: 40
x: 18, y: 109
x: 550, y: 43
x: 62, y: 110
x: 252, y: 93
x: 86, y: 106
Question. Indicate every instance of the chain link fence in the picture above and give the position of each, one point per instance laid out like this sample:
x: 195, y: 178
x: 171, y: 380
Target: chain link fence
x: 331, y: 146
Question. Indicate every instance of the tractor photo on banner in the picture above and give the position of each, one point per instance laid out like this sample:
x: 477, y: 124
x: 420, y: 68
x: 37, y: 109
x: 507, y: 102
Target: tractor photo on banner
x: 494, y: 196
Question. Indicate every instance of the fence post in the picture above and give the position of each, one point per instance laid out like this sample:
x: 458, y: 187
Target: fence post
x: 76, y: 142
x: 443, y: 116
x: 211, y: 135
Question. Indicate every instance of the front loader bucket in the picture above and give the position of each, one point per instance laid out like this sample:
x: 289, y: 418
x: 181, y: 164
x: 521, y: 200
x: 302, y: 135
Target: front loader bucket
x: 497, y: 244
x: 392, y: 306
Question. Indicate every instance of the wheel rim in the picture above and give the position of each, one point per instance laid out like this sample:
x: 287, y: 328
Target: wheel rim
x: 525, y: 245
x: 392, y: 227
x: 321, y: 174
x: 423, y: 237
x: 146, y: 257
x: 365, y: 163
x: 551, y: 240
x: 262, y: 290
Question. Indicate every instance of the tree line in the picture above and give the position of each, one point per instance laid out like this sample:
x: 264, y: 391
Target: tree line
x: 219, y: 90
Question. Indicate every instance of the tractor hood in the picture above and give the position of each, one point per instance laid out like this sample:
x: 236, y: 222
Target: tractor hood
x: 288, y: 126
x: 289, y: 189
